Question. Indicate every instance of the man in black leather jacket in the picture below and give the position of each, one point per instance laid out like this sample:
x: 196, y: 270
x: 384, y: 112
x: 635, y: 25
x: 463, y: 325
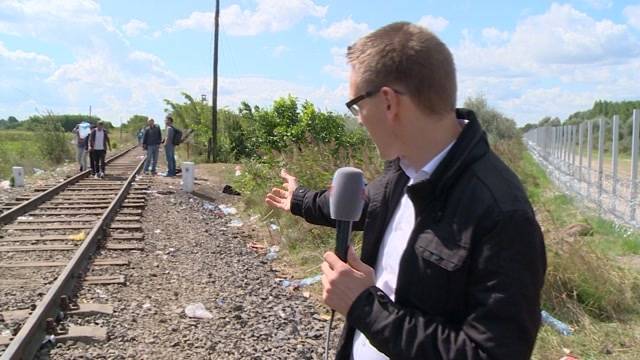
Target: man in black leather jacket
x: 453, y: 260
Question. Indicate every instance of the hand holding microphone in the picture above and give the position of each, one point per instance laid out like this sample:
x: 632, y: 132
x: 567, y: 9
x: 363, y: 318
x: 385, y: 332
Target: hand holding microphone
x: 344, y: 275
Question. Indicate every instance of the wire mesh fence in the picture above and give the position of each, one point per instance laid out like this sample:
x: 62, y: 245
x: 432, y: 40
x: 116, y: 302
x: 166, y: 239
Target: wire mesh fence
x: 608, y: 183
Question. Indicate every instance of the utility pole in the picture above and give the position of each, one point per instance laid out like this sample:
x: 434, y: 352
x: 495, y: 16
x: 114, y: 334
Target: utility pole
x: 89, y: 113
x: 214, y: 92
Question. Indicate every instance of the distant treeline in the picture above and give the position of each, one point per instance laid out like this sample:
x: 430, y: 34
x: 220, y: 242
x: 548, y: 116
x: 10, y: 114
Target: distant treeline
x: 35, y: 122
x: 601, y: 110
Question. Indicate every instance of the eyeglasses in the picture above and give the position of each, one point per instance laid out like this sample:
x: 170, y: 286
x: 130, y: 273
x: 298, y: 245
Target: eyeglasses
x: 352, y: 104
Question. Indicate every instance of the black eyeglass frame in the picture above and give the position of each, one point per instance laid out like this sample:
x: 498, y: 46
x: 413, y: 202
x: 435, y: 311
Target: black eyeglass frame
x: 351, y: 103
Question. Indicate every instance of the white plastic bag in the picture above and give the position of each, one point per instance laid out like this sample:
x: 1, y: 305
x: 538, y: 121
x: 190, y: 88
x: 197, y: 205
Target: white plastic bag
x: 198, y: 311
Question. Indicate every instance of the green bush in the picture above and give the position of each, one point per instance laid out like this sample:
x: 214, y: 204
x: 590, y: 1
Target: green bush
x: 52, y: 142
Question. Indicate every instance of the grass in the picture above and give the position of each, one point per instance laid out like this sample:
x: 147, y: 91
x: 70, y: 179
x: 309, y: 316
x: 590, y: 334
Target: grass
x: 19, y: 148
x: 586, y: 286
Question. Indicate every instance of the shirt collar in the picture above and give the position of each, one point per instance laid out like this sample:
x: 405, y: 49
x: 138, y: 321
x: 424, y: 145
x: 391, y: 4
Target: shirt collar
x: 426, y: 171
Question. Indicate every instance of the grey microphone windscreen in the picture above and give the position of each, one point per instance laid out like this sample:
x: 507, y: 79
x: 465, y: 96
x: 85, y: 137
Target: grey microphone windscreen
x: 347, y: 194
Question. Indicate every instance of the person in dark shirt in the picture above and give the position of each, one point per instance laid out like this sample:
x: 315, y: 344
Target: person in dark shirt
x: 453, y: 259
x: 151, y: 140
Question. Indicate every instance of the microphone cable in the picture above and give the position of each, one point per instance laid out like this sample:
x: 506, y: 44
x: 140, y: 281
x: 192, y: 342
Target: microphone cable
x: 328, y: 336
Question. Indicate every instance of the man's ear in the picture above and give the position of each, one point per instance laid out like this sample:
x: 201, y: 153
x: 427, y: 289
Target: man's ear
x: 391, y: 102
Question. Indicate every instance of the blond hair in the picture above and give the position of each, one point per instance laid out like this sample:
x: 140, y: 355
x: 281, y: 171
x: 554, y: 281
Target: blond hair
x: 408, y: 56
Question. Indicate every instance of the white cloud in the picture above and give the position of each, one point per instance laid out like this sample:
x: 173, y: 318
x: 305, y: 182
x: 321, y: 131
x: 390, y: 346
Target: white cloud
x: 493, y: 35
x: 433, y: 23
x: 344, y: 29
x: 22, y: 58
x: 632, y: 13
x: 339, y: 68
x: 135, y: 27
x: 543, y: 43
x: 45, y: 18
x: 144, y: 56
x: 553, y: 63
x: 269, y: 16
x: 599, y: 4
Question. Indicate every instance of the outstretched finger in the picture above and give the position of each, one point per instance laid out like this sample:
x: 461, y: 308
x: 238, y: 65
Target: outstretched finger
x: 276, y: 203
x: 278, y: 192
x: 286, y: 176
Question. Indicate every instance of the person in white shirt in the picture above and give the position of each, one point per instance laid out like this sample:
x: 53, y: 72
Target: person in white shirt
x: 98, y: 144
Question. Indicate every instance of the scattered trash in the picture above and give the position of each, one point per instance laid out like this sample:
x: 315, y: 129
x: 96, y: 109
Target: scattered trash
x: 165, y: 192
x: 220, y: 302
x: 556, y: 324
x: 5, y: 184
x: 198, y: 311
x: 4, y: 331
x: 228, y: 189
x: 146, y: 306
x: 209, y: 206
x: 78, y: 237
x: 274, y: 227
x: 235, y: 223
x: 37, y: 171
x: 301, y: 283
x: 273, y: 253
x: 256, y: 247
x: 157, y: 231
x: 25, y: 217
x: 48, y: 342
x: 238, y: 170
x: 568, y: 355
x: 306, y: 294
x: 228, y: 210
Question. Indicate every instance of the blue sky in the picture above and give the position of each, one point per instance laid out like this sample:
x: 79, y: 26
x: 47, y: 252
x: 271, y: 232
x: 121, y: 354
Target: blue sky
x: 529, y: 59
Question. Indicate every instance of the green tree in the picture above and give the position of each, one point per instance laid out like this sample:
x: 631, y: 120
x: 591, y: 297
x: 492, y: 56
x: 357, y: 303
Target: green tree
x: 135, y: 123
x: 497, y: 126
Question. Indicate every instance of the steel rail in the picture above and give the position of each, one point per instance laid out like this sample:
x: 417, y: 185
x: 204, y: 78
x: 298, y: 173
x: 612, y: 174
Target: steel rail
x: 29, y: 205
x: 30, y: 337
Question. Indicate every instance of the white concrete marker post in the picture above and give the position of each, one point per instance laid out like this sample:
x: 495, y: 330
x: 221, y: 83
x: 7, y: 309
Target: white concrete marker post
x: 188, y: 176
x: 18, y: 176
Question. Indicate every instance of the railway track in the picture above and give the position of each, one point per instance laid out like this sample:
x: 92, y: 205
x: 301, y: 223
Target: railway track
x: 49, y: 246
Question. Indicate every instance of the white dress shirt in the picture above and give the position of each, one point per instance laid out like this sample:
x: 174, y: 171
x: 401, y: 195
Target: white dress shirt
x: 393, y: 246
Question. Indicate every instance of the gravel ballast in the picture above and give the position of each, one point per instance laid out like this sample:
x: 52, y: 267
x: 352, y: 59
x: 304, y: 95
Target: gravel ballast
x: 193, y: 255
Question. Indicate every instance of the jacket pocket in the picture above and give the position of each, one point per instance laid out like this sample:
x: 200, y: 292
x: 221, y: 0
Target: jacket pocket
x: 448, y: 253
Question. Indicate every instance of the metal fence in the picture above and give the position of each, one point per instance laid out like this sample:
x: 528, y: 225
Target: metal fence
x: 609, y: 183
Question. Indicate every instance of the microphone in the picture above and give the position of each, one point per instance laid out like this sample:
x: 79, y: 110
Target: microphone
x: 346, y: 201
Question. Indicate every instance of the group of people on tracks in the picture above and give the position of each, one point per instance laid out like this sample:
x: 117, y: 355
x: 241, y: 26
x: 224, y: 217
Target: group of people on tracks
x: 96, y: 142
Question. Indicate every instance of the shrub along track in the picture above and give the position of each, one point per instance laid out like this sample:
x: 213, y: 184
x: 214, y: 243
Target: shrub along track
x: 47, y: 244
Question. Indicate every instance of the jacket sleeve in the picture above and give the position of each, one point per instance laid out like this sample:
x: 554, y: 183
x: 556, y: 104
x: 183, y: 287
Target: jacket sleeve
x: 504, y: 283
x: 144, y: 136
x: 313, y: 206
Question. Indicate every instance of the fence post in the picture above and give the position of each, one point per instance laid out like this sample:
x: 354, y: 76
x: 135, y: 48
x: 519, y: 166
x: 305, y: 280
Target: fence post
x: 565, y: 155
x: 574, y: 132
x: 614, y: 161
x: 634, y: 166
x: 580, y: 136
x: 589, y: 151
x: 600, y: 162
